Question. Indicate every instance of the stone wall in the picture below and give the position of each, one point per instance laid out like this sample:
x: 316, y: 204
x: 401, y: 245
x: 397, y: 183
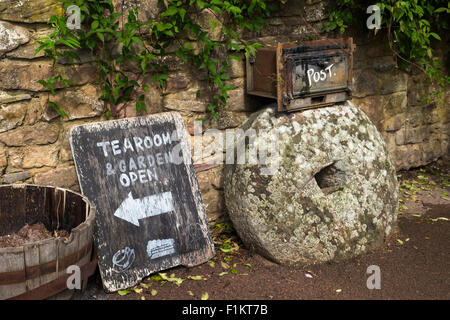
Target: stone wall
x: 34, y: 146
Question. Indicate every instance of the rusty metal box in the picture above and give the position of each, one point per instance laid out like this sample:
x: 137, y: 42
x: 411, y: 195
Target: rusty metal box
x: 302, y: 75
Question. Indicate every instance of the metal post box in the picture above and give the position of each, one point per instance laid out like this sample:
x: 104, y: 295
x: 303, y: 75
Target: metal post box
x: 302, y: 75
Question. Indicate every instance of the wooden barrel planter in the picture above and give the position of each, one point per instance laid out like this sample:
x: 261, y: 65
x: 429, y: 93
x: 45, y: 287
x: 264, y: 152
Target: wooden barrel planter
x: 38, y: 270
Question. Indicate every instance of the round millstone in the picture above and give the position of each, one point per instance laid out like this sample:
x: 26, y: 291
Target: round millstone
x: 329, y: 193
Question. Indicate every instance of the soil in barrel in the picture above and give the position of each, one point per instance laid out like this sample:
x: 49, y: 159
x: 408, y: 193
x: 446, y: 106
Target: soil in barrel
x: 30, y: 233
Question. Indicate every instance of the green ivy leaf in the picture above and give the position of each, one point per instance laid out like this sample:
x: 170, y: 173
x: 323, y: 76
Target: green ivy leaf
x: 58, y: 109
x: 94, y: 24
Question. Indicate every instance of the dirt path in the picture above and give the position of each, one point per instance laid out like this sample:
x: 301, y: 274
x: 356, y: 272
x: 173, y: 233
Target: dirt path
x: 414, y: 264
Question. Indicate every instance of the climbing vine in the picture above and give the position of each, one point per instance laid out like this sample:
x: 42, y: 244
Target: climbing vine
x: 114, y: 40
x: 410, y: 27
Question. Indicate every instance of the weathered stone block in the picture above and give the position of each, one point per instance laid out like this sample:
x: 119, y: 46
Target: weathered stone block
x: 15, y: 177
x: 148, y: 9
x: 365, y: 83
x: 211, y: 179
x: 373, y: 108
x: 410, y: 135
x: 408, y: 156
x: 3, y: 159
x: 153, y: 101
x: 237, y: 100
x: 77, y: 103
x: 392, y: 82
x: 394, y: 123
x: 185, y: 101
x: 65, y: 152
x: 30, y: 11
x: 389, y: 138
x: 34, y: 157
x: 11, y: 115
x: 237, y: 68
x: 27, y: 51
x: 432, y: 150
x: 40, y: 134
x: 25, y: 74
x: 34, y: 113
x: 316, y: 12
x: 395, y: 104
x: 384, y: 64
x: 11, y: 98
x: 60, y: 177
x: 12, y: 36
x: 214, y: 204
x: 289, y: 8
x: 415, y: 117
x: 418, y: 90
x: 431, y: 116
x: 210, y: 23
x: 177, y: 83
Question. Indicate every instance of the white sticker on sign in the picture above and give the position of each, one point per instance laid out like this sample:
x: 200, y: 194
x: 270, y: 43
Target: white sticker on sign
x: 160, y: 248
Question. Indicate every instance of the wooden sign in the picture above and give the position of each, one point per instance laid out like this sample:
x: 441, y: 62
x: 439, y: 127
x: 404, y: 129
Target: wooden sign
x: 150, y: 214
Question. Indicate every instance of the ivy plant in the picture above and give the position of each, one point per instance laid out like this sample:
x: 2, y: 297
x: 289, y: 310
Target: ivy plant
x: 114, y: 40
x: 410, y: 26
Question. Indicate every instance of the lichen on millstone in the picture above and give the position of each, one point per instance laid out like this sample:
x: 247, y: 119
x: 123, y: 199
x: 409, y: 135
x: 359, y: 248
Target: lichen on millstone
x: 332, y: 193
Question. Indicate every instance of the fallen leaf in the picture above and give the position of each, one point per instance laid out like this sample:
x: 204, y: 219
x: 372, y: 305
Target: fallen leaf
x: 137, y: 290
x: 123, y: 292
x: 172, y: 278
x: 205, y: 296
x: 156, y: 278
x: 211, y: 264
x: 145, y: 285
x: 189, y: 292
x: 399, y: 241
x: 195, y: 277
x: 222, y: 274
x: 225, y: 265
x: 338, y: 290
x: 248, y: 265
x: 154, y: 292
x: 142, y: 298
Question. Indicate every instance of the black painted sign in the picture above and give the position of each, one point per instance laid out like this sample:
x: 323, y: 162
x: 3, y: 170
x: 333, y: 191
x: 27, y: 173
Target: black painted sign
x: 150, y: 216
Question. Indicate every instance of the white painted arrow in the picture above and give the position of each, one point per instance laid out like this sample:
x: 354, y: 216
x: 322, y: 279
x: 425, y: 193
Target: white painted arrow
x: 132, y: 210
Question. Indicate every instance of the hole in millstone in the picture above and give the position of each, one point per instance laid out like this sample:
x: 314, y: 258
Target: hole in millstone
x: 330, y: 179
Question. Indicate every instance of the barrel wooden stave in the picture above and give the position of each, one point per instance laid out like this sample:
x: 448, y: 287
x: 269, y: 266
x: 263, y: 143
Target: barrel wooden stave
x: 33, y: 265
